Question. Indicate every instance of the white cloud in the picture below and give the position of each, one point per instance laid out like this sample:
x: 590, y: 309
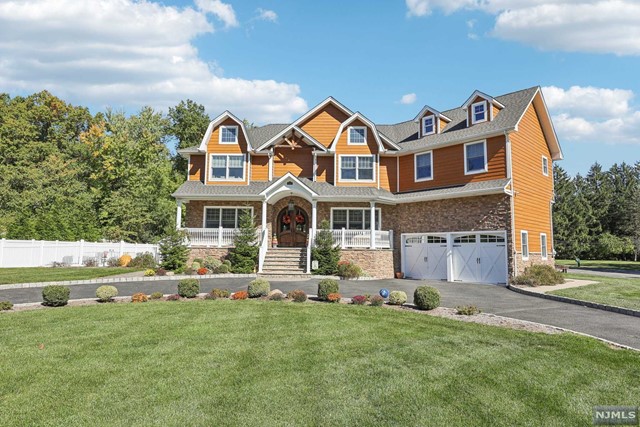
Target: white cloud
x: 222, y: 11
x: 130, y: 53
x: 598, y: 26
x: 409, y: 98
x: 470, y: 26
x: 590, y: 114
x: 267, y: 15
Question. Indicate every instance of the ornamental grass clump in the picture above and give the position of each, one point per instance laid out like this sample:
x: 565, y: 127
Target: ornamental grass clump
x: 376, y: 301
x: 326, y: 287
x: 297, y: 295
x: 258, y: 288
x: 188, y: 288
x: 467, y: 310
x: 426, y: 297
x: 106, y: 293
x: 397, y: 298
x: 55, y: 295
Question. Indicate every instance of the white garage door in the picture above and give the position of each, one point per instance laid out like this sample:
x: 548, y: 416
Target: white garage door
x: 480, y: 257
x: 425, y: 257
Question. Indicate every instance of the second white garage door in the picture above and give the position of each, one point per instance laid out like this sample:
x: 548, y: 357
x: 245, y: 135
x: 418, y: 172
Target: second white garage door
x: 425, y: 257
x: 480, y: 257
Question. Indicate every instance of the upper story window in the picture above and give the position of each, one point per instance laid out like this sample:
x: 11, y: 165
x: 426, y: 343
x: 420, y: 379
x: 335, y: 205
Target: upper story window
x: 227, y: 167
x: 356, y: 168
x: 479, y: 112
x: 545, y: 166
x: 225, y: 217
x: 353, y: 219
x: 357, y: 135
x: 228, y: 134
x: 423, y: 166
x: 428, y: 125
x: 475, y: 157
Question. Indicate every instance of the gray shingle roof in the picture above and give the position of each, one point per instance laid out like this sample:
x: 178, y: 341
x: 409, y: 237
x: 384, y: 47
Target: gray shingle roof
x: 260, y: 135
x: 198, y: 189
x: 496, y: 184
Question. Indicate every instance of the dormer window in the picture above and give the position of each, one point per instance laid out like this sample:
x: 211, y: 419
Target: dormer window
x: 357, y: 135
x: 228, y: 134
x: 479, y: 112
x: 428, y: 125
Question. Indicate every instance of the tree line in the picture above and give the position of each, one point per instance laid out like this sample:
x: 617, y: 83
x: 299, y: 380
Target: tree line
x: 597, y: 216
x: 67, y: 174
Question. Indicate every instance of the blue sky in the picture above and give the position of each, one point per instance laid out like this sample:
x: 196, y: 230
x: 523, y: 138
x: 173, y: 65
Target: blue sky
x: 270, y: 61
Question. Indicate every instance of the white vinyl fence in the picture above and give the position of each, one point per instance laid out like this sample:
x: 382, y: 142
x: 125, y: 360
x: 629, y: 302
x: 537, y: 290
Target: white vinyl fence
x: 43, y: 253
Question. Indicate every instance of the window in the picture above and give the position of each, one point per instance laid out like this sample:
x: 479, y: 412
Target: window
x: 545, y: 166
x: 524, y: 243
x: 227, y: 217
x: 491, y: 238
x: 357, y: 135
x: 543, y: 245
x: 228, y: 134
x: 475, y: 157
x: 428, y: 125
x: 353, y: 219
x: 479, y: 112
x: 470, y: 238
x: 227, y: 167
x: 424, y: 166
x: 356, y: 168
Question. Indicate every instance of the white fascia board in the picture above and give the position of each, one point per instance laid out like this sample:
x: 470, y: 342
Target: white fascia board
x: 482, y: 95
x: 434, y: 111
x: 547, y: 125
x: 287, y: 176
x: 217, y: 121
x: 367, y: 122
x: 308, y: 137
x: 458, y: 194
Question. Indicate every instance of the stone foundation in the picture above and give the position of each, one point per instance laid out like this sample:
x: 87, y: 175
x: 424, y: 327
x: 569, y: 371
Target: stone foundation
x: 534, y: 258
x: 218, y: 253
x: 376, y: 263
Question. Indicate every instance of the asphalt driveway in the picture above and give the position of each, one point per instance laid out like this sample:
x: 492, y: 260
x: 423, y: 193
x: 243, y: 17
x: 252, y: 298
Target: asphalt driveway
x: 490, y: 299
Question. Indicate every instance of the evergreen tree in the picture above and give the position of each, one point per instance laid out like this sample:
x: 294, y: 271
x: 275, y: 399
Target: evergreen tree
x: 571, y: 216
x: 244, y: 256
x: 174, y: 251
x: 324, y: 251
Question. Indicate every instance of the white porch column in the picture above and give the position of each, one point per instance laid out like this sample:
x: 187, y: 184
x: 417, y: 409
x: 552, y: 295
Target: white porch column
x: 178, y: 214
x: 314, y: 216
x: 264, y: 214
x: 372, y: 222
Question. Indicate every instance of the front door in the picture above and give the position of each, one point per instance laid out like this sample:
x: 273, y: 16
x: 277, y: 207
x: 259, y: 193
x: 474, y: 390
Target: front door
x: 293, y: 227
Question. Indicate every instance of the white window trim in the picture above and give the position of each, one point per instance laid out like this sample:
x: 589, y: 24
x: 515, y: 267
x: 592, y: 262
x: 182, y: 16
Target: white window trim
x: 367, y: 212
x: 544, y: 250
x: 424, y: 119
x: 349, y: 135
x: 545, y: 160
x: 356, y: 180
x: 244, y: 168
x: 524, y: 233
x: 486, y: 112
x: 220, y: 135
x: 486, y: 161
x: 204, y: 214
x: 415, y: 166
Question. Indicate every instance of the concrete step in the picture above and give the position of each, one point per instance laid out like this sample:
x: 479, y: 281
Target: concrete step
x: 283, y: 273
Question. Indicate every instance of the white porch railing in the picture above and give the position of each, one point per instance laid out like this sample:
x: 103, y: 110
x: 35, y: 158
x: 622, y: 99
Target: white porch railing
x: 212, y: 237
x: 362, y: 238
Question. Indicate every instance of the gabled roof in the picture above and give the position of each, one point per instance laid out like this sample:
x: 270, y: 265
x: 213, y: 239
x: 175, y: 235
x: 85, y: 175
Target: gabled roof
x: 215, y: 122
x: 307, y: 138
x: 476, y: 94
x: 435, y: 113
x: 358, y: 116
x: 547, y: 125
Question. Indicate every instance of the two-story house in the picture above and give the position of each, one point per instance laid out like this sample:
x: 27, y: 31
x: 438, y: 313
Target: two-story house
x: 459, y: 195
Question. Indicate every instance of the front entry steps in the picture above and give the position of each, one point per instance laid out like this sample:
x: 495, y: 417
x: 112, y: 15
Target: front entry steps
x: 285, y: 262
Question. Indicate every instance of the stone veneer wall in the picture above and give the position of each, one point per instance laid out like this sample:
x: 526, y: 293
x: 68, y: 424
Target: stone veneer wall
x: 534, y: 258
x: 200, y: 252
x: 376, y: 263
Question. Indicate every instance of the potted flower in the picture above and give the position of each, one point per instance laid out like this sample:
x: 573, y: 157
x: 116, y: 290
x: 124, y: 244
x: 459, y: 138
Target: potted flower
x: 399, y: 275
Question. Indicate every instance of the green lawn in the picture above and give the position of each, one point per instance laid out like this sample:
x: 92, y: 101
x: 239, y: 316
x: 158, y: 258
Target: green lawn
x: 601, y: 264
x: 608, y: 290
x: 255, y: 363
x: 49, y: 274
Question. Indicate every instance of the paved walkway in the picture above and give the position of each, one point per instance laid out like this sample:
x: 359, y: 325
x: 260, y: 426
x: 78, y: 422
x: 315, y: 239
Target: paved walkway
x: 489, y: 298
x: 569, y: 283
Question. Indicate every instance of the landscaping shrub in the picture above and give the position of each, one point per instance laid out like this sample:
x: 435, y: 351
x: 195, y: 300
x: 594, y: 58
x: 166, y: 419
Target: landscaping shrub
x: 376, y: 301
x: 467, y: 310
x: 198, y: 260
x: 124, y: 260
x: 276, y: 297
x: 188, y: 288
x: 397, y: 298
x: 219, y: 293
x: 139, y: 297
x: 426, y: 297
x: 156, y: 295
x: 244, y: 255
x: 324, y: 251
x: 196, y: 265
x: 258, y: 288
x: 326, y: 287
x: 240, y: 295
x: 539, y: 275
x: 222, y: 269
x: 58, y: 264
x: 106, y: 293
x: 173, y: 297
x: 349, y: 270
x: 522, y: 280
x: 113, y: 262
x: 359, y: 300
x: 161, y: 272
x: 149, y: 272
x: 297, y: 295
x: 202, y: 271
x: 174, y: 250
x: 6, y: 305
x: 227, y: 263
x: 90, y: 262
x: 189, y: 271
x: 145, y: 260
x: 334, y: 297
x: 212, y: 263
x: 55, y: 295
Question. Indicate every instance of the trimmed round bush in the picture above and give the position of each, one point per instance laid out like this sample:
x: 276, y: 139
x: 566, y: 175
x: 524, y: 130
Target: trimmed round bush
x: 397, y: 298
x: 196, y: 265
x: 376, y: 301
x: 156, y: 295
x: 106, y: 293
x: 55, y: 295
x: 6, y: 305
x: 426, y: 297
x: 188, y: 288
x: 222, y: 269
x: 149, y: 272
x: 297, y: 295
x: 212, y: 263
x: 258, y: 288
x: 277, y: 297
x: 326, y: 287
